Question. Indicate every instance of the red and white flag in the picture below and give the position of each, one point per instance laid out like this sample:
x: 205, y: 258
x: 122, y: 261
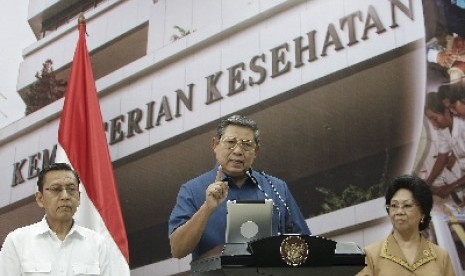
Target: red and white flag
x: 83, y: 144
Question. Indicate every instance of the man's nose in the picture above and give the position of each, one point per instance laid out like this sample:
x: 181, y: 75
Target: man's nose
x: 64, y: 194
x: 238, y: 149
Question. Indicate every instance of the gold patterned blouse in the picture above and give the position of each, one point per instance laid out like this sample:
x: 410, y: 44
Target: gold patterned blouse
x: 385, y: 258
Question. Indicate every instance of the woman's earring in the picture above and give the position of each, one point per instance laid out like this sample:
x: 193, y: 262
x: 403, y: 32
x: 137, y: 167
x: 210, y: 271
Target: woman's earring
x: 422, y: 219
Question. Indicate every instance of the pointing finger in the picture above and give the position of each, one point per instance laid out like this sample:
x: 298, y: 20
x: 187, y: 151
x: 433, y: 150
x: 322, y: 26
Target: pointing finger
x: 219, y: 174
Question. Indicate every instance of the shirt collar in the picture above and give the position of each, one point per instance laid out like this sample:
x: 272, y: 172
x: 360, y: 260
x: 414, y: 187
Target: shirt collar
x: 391, y: 251
x: 231, y: 181
x: 43, y: 228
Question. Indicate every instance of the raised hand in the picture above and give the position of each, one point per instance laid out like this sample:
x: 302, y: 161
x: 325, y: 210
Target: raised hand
x: 217, y: 192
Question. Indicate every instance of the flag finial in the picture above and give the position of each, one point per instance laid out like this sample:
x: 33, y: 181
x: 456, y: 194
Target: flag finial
x: 81, y: 19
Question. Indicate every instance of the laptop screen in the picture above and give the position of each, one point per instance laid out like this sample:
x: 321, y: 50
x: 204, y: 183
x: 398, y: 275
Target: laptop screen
x: 248, y: 220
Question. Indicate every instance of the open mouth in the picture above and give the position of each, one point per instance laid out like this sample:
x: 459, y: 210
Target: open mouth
x: 237, y: 161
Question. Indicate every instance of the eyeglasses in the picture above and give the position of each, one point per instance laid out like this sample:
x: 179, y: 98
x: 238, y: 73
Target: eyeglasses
x: 56, y: 190
x: 395, y: 207
x: 232, y: 142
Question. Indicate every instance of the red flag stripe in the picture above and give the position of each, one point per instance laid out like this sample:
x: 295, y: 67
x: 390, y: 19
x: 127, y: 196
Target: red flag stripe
x: 82, y: 137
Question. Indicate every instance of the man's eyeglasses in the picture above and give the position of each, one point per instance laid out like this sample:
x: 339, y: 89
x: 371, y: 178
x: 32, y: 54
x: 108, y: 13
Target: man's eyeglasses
x: 395, y: 207
x: 232, y: 142
x: 56, y: 190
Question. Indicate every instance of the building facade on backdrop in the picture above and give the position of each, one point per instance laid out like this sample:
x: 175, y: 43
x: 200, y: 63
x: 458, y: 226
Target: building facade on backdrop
x: 337, y: 88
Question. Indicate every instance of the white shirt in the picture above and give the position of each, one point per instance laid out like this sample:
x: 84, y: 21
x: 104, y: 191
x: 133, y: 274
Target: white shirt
x: 36, y: 250
x: 453, y: 141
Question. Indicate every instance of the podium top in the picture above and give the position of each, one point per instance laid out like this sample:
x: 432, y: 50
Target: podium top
x: 285, y: 251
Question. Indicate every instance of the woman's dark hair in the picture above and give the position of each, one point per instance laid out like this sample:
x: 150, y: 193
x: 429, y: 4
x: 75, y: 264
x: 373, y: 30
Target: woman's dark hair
x: 54, y: 167
x: 420, y: 191
x: 434, y: 102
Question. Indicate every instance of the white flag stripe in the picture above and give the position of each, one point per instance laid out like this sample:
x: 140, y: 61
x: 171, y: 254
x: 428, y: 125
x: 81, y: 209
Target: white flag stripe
x: 88, y: 216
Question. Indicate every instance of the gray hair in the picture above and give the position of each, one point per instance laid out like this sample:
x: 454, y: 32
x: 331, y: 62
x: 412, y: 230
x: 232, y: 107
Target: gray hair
x: 238, y: 120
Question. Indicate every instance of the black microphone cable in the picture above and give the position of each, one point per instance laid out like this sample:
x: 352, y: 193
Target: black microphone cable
x: 281, y: 229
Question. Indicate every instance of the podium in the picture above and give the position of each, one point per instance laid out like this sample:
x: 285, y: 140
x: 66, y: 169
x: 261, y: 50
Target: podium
x: 289, y: 254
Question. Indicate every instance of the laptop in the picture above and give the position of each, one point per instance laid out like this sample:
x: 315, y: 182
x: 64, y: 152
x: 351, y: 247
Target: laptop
x: 248, y: 220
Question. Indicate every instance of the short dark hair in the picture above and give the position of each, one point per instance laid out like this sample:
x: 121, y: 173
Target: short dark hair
x: 238, y: 120
x: 454, y: 91
x: 434, y: 103
x: 54, y: 167
x: 420, y: 191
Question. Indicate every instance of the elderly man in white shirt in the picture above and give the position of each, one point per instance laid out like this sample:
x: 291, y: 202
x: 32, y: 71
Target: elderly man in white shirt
x: 56, y: 245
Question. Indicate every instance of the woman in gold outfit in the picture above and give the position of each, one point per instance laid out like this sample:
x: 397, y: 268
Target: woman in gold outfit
x: 406, y: 251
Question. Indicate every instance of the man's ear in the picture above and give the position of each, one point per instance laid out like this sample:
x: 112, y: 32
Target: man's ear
x: 257, y: 149
x: 214, y: 143
x: 40, y: 199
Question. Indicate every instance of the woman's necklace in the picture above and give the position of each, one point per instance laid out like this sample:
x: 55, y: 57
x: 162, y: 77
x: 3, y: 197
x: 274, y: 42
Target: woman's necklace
x: 409, y: 249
